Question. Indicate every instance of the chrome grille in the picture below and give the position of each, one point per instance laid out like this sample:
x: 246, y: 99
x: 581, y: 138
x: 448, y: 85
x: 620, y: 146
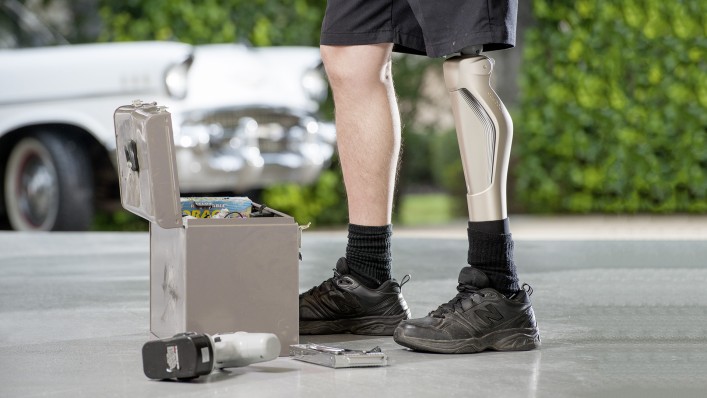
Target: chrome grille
x: 276, y: 130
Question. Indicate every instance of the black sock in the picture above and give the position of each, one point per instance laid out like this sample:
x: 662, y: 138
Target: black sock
x: 492, y: 253
x: 497, y: 227
x: 368, y: 254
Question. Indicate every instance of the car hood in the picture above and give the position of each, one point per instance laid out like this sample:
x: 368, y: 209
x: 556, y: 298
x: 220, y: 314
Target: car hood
x: 87, y: 70
x: 234, y: 73
x: 221, y: 75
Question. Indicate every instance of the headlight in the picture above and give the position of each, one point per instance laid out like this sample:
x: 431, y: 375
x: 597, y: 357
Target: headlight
x: 176, y: 78
x: 314, y: 84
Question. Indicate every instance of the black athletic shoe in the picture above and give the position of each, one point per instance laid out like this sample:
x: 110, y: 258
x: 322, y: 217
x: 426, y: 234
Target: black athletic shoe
x: 342, y: 305
x: 477, y: 319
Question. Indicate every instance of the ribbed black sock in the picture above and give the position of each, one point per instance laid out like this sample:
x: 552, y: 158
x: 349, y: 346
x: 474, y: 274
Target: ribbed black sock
x: 368, y: 254
x: 492, y: 253
x: 497, y: 227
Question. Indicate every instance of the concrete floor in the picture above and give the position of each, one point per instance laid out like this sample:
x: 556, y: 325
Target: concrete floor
x: 618, y: 318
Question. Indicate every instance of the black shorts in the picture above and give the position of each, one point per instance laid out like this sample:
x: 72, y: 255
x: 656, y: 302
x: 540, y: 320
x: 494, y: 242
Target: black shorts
x: 429, y: 27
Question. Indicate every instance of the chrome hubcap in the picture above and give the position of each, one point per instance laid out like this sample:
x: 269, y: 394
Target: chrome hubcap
x: 37, y: 188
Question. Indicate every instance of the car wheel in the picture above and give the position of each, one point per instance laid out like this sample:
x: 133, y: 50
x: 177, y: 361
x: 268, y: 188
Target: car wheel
x: 48, y: 185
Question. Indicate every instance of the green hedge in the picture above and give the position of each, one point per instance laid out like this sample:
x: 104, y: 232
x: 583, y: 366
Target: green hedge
x: 614, y: 107
x: 260, y: 22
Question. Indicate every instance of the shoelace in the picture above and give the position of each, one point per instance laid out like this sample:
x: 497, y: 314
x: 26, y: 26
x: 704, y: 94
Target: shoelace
x: 327, y: 283
x: 465, y: 292
x: 338, y: 277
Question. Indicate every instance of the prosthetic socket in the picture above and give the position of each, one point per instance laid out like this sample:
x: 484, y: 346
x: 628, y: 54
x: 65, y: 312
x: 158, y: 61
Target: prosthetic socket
x: 484, y: 130
x: 190, y: 355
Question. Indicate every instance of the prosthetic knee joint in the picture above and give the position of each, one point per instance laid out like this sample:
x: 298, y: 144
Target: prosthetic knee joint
x: 484, y: 131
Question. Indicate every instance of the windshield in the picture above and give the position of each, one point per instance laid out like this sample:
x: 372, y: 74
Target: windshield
x: 20, y: 28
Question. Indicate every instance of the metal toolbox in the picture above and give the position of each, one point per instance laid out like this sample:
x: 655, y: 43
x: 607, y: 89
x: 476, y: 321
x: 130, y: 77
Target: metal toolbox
x: 206, y: 275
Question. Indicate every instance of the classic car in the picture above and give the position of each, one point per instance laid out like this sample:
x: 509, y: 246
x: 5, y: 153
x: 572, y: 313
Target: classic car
x: 243, y: 118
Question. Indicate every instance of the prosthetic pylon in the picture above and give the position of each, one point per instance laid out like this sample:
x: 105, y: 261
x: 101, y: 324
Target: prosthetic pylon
x: 484, y: 130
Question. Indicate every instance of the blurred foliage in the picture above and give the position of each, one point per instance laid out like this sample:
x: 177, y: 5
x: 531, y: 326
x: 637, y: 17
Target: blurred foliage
x: 323, y: 203
x: 118, y: 220
x: 260, y: 22
x: 614, y: 107
x: 448, y: 171
x: 426, y: 209
x: 433, y: 165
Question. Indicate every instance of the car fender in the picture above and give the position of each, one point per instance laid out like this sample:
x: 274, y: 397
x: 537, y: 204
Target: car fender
x: 86, y: 70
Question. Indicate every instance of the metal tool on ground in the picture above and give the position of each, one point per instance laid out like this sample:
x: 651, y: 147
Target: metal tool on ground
x: 334, y: 357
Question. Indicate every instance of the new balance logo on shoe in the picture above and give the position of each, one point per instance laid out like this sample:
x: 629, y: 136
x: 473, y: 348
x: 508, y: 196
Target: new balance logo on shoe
x: 490, y: 315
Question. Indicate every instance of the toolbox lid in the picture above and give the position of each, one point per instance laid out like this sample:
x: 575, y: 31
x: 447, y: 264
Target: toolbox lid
x: 147, y: 166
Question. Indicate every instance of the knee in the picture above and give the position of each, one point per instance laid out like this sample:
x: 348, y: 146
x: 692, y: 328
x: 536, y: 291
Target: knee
x: 357, y: 67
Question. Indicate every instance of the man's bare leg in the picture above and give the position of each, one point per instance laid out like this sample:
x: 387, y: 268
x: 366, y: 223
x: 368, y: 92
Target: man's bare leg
x: 368, y: 137
x: 367, y: 126
x: 362, y: 297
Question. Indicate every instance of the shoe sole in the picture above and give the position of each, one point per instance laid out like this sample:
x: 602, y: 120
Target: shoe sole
x: 373, y: 326
x: 522, y: 339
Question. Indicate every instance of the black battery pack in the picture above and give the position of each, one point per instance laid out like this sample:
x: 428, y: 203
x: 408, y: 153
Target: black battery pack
x: 184, y: 356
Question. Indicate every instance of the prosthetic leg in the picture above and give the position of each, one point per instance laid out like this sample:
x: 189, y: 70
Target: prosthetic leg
x: 484, y: 131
